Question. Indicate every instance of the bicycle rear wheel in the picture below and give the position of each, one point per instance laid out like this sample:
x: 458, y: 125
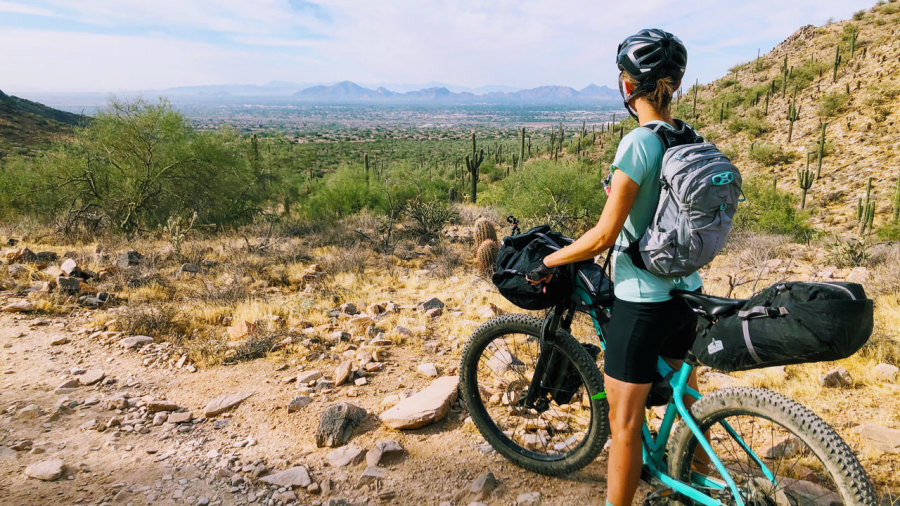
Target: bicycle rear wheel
x: 561, y: 430
x: 807, y: 461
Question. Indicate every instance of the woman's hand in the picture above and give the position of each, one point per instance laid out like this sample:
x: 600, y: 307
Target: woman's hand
x: 540, y: 274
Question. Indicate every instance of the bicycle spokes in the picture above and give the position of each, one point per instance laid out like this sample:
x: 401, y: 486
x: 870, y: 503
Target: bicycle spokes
x: 769, y: 464
x: 549, y: 417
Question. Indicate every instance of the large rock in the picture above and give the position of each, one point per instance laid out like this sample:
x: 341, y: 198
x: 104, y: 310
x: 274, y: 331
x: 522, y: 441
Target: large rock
x: 19, y: 306
x: 155, y: 406
x: 342, y: 373
x: 296, y: 476
x: 298, y: 403
x: 307, y: 377
x: 46, y: 470
x: 480, y: 489
x: 223, y: 403
x: 91, y: 376
x: 345, y: 456
x: 134, y: 342
x: 886, y: 372
x: 69, y: 267
x: 881, y: 438
x: 128, y: 259
x: 838, y: 377
x: 432, y: 303
x: 337, y: 423
x: 425, y: 407
x: 382, y: 449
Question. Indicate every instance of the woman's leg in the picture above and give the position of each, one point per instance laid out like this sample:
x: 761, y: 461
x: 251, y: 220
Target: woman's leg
x: 626, y: 417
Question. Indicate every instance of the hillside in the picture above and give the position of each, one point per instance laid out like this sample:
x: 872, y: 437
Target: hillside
x: 858, y: 102
x: 25, y: 124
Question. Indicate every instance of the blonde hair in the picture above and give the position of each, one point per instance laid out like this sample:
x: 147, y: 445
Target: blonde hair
x: 660, y: 97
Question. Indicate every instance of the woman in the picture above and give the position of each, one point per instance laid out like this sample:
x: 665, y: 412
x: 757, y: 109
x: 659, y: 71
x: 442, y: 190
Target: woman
x: 646, y: 321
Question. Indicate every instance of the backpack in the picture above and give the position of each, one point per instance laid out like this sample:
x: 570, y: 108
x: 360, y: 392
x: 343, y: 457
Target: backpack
x: 788, y: 323
x: 521, y: 253
x: 699, y: 192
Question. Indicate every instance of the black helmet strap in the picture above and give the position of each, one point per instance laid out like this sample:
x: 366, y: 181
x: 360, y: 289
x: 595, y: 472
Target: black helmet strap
x: 629, y: 97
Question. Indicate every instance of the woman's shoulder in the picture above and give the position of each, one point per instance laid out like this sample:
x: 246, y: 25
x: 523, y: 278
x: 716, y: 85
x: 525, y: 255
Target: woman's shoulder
x: 643, y: 137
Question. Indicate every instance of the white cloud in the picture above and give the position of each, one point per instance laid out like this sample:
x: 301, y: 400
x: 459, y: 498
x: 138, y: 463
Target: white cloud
x: 520, y: 43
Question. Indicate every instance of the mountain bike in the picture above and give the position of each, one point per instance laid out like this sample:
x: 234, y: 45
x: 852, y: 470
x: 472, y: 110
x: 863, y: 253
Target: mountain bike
x: 536, y: 395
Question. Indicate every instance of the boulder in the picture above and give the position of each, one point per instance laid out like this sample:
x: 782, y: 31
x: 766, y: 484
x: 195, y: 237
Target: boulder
x: 69, y: 267
x: 129, y: 259
x: 298, y: 403
x: 427, y: 369
x: 529, y: 499
x: 342, y: 373
x: 480, y: 489
x: 19, y: 306
x: 837, y: 378
x: 158, y: 405
x: 91, y: 376
x: 337, y: 423
x: 345, y: 456
x: 180, y: 417
x: 886, y: 372
x: 308, y: 377
x: 46, y: 470
x: 425, y: 407
x: 371, y: 475
x: 296, y: 476
x: 879, y: 437
x: 432, y: 303
x: 135, y: 342
x: 223, y: 403
x: 17, y: 271
x: 383, y: 449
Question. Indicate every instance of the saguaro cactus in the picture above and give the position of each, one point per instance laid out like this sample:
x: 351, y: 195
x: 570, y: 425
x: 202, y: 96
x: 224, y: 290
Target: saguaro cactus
x: 522, y: 150
x: 820, y: 151
x: 793, y: 115
x: 837, y: 62
x: 472, y: 164
x: 366, y: 161
x: 804, y: 181
x: 853, y: 36
x: 897, y: 202
x: 694, y: 109
x: 865, y: 211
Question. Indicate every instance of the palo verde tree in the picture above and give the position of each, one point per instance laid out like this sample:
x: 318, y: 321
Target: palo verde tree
x: 137, y: 164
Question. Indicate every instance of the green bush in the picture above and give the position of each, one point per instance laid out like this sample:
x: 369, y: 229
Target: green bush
x: 135, y: 165
x: 769, y: 155
x: 753, y: 126
x: 833, y: 104
x: 769, y: 210
x: 890, y: 232
x: 567, y: 195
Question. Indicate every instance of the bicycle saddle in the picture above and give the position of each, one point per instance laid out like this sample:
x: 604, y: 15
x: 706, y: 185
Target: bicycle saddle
x: 711, y: 305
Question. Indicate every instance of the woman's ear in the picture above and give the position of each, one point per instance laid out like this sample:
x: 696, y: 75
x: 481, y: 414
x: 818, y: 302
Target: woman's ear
x: 629, y: 88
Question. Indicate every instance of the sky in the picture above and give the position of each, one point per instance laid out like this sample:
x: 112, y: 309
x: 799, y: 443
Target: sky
x: 132, y: 45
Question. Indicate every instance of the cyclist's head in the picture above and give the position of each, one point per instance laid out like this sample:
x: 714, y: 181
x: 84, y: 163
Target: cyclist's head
x: 652, y: 63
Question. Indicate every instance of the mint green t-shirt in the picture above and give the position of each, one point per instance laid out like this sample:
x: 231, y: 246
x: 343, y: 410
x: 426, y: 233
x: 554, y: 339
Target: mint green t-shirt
x: 639, y: 156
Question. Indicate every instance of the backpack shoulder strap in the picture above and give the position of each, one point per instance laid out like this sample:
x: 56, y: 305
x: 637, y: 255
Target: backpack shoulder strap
x: 682, y: 134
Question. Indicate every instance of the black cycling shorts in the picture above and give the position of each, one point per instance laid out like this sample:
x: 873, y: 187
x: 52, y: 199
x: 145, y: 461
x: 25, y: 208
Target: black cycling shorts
x: 639, y: 332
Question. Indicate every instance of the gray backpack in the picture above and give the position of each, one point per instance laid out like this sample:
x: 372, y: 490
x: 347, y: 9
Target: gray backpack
x: 699, y: 192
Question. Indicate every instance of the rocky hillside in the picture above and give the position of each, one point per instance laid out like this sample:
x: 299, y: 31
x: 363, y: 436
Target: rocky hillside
x: 24, y: 124
x: 845, y: 75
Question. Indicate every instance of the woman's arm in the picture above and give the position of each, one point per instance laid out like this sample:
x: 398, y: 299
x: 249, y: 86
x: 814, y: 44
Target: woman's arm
x: 603, y: 235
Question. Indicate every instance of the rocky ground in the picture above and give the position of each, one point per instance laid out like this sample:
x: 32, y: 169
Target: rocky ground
x: 352, y: 399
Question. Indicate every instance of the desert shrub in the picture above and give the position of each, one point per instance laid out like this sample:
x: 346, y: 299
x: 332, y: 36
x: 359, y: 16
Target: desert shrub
x: 428, y: 217
x: 135, y: 165
x: 832, y: 104
x: 848, y: 252
x: 564, y: 195
x: 890, y: 232
x: 448, y: 257
x: 859, y: 15
x: 769, y: 154
x: 770, y: 211
x: 804, y: 74
x: 162, y: 321
x: 753, y: 126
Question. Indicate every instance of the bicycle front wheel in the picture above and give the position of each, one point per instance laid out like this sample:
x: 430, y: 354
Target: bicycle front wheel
x: 557, y: 431
x: 776, y: 450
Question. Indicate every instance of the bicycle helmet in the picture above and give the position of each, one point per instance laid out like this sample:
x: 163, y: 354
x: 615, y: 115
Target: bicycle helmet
x: 648, y: 56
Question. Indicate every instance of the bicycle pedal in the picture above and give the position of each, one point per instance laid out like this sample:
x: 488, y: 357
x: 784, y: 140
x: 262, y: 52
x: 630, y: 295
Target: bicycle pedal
x: 662, y: 496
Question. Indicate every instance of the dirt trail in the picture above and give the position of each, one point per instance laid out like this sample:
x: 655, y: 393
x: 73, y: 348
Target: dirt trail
x: 196, y: 462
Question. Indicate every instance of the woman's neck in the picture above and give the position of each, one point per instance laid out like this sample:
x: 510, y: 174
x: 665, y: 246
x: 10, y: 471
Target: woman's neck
x: 646, y: 113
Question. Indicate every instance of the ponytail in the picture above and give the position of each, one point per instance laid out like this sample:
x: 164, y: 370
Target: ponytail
x: 659, y: 97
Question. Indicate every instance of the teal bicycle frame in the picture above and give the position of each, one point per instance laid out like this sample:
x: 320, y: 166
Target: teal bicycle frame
x: 654, y: 450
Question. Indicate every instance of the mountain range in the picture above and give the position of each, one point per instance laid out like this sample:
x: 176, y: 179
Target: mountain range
x: 25, y: 124
x: 348, y: 91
